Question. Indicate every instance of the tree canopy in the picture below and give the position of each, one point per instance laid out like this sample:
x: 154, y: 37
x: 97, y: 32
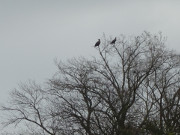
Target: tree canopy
x: 133, y: 87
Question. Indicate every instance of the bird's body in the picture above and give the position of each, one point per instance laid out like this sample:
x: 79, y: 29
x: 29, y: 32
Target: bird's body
x: 97, y: 43
x: 113, y: 42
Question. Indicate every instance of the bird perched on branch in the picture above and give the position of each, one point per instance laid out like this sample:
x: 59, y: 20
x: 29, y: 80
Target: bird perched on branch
x: 97, y: 43
x: 113, y: 42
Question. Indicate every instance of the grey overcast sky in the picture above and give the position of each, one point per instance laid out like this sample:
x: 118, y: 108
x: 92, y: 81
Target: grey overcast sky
x: 35, y: 32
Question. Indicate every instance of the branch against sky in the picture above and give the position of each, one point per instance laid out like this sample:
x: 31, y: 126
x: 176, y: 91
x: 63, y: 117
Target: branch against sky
x: 128, y: 89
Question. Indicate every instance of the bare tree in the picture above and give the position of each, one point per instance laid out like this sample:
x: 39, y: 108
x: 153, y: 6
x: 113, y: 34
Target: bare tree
x: 116, y: 91
x: 29, y: 105
x: 165, y: 94
x: 131, y: 88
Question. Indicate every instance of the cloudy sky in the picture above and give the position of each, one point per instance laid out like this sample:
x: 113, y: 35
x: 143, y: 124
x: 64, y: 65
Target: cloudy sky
x: 35, y: 32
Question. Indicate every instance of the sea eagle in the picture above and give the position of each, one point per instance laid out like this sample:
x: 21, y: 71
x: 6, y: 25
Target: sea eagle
x: 97, y: 43
x: 113, y: 42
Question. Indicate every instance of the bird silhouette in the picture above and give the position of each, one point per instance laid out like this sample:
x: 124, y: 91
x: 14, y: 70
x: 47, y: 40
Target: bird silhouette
x: 97, y: 43
x: 113, y: 42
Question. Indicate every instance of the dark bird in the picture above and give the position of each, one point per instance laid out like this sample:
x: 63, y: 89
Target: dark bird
x: 113, y: 42
x: 134, y: 72
x: 97, y: 43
